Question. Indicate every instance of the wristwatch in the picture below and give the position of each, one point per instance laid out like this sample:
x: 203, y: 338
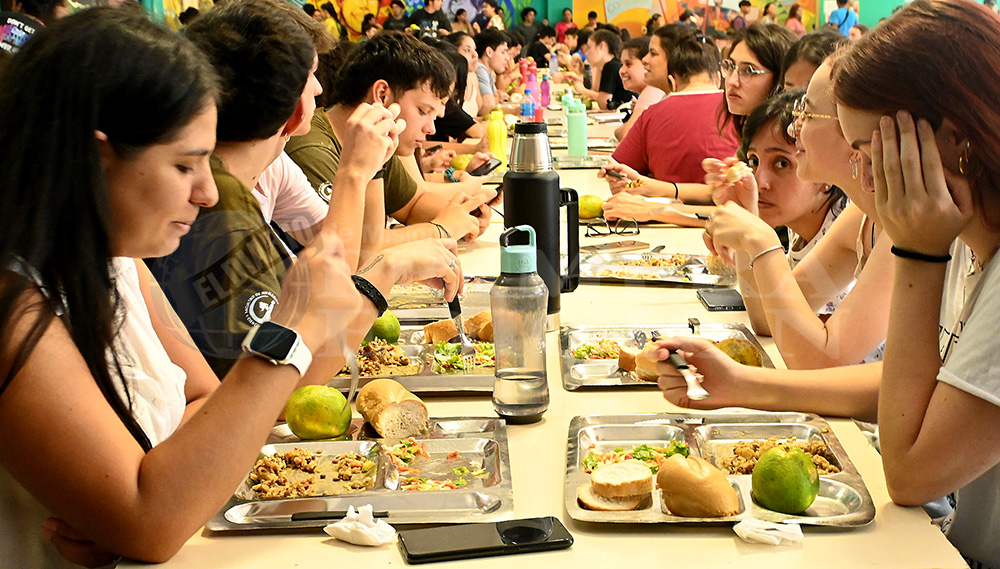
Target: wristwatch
x: 278, y: 345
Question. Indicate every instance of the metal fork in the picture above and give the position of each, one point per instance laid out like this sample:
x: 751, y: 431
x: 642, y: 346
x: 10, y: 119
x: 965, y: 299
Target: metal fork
x: 468, y: 350
x: 648, y: 255
x: 352, y: 364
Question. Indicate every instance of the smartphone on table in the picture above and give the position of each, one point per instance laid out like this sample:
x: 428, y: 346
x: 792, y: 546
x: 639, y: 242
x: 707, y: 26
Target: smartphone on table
x: 721, y: 299
x: 465, y: 541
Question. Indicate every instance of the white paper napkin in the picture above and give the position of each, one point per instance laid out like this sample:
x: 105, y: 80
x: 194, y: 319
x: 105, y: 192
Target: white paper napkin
x: 758, y: 531
x: 361, y: 528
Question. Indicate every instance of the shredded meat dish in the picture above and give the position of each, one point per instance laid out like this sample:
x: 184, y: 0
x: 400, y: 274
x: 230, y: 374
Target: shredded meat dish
x: 294, y: 474
x: 746, y: 453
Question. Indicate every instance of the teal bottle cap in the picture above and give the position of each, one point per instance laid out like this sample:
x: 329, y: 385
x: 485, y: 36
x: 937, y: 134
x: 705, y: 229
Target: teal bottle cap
x: 517, y: 258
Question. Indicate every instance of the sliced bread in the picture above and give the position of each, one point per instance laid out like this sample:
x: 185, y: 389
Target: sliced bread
x: 628, y: 478
x: 594, y: 501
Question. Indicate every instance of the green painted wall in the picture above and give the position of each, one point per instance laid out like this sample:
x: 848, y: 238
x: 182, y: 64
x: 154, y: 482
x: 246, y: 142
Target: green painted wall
x: 874, y: 10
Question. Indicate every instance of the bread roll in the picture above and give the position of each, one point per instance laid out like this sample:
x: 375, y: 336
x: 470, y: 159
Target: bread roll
x: 626, y: 358
x: 440, y: 331
x: 645, y: 363
x: 693, y: 488
x: 620, y: 479
x: 480, y: 326
x: 392, y: 410
x: 594, y: 501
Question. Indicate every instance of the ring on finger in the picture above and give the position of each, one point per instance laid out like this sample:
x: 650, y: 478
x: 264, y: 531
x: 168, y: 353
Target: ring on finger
x: 453, y: 264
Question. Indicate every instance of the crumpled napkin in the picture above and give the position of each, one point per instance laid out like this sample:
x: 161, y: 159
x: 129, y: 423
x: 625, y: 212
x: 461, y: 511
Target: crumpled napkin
x: 752, y: 530
x: 361, y: 528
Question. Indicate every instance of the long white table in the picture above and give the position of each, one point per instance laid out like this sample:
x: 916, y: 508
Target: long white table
x: 899, y: 537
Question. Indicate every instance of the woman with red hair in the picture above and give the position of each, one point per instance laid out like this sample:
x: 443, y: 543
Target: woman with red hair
x: 919, y: 100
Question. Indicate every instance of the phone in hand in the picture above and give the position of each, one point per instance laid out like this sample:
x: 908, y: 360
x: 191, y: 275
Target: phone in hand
x: 721, y: 299
x: 614, y: 174
x: 486, y: 168
x: 465, y: 541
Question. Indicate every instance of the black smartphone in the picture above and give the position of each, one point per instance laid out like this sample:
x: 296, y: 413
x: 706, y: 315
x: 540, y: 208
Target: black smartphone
x: 432, y: 149
x: 486, y: 168
x: 465, y: 541
x: 721, y: 299
x: 614, y: 174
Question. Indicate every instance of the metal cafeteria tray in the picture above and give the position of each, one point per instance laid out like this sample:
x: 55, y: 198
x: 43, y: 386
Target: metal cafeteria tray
x: 420, y: 376
x: 577, y: 373
x: 561, y: 142
x: 843, y: 499
x: 479, y: 441
x: 612, y: 268
x: 421, y: 304
x: 577, y: 163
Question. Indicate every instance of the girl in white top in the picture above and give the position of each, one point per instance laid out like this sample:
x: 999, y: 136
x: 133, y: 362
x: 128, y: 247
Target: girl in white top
x: 110, y: 419
x: 788, y: 307
x: 932, y: 154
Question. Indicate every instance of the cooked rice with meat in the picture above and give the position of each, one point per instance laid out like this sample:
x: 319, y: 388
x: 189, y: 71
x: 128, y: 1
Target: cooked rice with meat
x: 746, y: 453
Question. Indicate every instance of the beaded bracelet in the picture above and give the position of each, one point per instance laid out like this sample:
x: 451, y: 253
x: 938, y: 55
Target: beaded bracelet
x: 634, y: 183
x: 907, y: 254
x: 449, y: 175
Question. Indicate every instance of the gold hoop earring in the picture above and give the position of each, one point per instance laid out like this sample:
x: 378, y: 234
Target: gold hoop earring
x: 963, y: 160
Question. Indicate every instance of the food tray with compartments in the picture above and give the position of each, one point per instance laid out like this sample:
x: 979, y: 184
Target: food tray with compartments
x: 420, y: 375
x: 843, y: 499
x: 677, y: 269
x: 562, y: 143
x: 478, y: 444
x: 578, y: 163
x: 421, y: 304
x: 586, y: 372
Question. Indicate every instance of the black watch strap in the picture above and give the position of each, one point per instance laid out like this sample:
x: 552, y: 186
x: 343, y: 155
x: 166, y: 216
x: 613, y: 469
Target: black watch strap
x: 371, y: 292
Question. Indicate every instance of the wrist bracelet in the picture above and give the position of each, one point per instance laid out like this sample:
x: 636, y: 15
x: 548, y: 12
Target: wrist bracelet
x: 907, y: 254
x: 762, y: 253
x: 371, y: 292
x: 449, y: 175
x: 677, y: 191
x: 442, y: 231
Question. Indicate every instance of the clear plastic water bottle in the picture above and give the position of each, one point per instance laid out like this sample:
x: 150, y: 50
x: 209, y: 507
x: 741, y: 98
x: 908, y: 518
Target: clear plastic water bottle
x: 527, y: 107
x: 518, y: 302
x: 553, y: 65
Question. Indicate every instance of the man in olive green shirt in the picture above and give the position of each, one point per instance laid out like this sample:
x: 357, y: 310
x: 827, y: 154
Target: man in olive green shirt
x: 395, y: 70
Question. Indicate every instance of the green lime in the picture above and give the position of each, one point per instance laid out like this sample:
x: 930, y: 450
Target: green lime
x: 785, y: 480
x: 460, y: 161
x: 318, y: 412
x: 385, y: 327
x: 591, y: 207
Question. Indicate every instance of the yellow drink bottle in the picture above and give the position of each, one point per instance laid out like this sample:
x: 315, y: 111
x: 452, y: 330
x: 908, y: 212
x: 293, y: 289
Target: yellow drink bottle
x: 496, y: 132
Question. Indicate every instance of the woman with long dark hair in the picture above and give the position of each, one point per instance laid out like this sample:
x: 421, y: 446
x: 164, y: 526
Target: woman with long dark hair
x: 110, y: 418
x: 752, y: 72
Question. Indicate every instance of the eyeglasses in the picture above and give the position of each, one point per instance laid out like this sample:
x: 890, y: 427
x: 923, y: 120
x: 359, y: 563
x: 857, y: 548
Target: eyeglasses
x: 800, y: 113
x: 745, y: 71
x: 601, y: 228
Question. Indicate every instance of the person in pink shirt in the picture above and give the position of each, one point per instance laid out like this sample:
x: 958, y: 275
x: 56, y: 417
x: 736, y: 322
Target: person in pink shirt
x: 566, y: 23
x: 633, y: 75
x: 794, y: 21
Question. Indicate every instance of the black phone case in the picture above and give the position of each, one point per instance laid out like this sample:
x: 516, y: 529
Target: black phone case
x: 721, y: 300
x: 486, y: 168
x: 558, y: 538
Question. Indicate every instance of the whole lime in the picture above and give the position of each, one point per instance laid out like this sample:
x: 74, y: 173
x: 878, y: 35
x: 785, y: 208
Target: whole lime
x: 385, y: 327
x: 460, y: 161
x: 785, y: 480
x: 318, y: 412
x: 591, y: 207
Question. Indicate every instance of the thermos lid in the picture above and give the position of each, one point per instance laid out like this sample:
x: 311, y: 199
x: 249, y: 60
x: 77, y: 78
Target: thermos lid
x: 530, y: 128
x: 517, y: 258
x: 576, y: 105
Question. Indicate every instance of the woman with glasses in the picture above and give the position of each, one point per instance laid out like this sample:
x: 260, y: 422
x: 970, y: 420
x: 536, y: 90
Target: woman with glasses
x: 852, y: 256
x: 662, y: 154
x: 932, y: 157
x: 753, y: 68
